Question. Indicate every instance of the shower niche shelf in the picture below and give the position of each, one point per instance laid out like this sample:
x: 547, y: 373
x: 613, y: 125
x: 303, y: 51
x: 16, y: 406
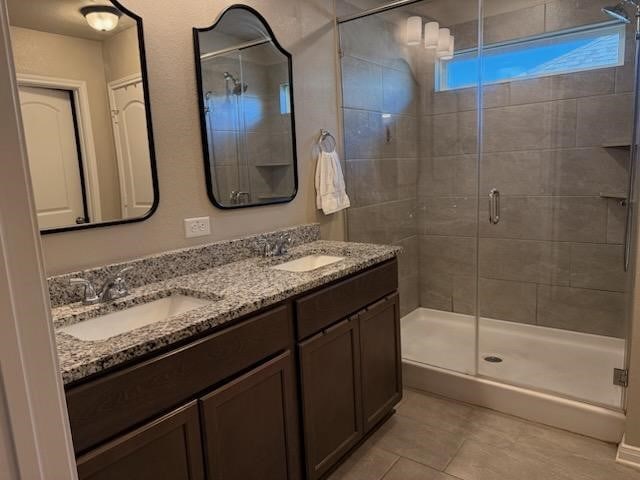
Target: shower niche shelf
x: 273, y: 165
x: 622, y: 145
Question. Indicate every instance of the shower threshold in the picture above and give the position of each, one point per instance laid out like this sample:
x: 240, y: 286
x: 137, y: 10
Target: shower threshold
x: 438, y: 350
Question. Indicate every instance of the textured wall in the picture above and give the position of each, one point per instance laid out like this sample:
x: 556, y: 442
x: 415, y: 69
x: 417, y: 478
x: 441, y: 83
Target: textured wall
x: 306, y: 29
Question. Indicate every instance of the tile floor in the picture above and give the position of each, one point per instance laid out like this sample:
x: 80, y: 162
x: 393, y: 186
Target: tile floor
x: 432, y: 438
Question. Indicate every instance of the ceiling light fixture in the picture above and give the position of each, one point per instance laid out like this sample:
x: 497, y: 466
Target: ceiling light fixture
x: 414, y: 30
x: 431, y: 33
x: 103, y: 18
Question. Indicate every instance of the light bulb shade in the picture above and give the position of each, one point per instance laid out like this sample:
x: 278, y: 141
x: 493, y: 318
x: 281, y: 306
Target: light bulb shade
x: 101, y: 18
x: 431, y: 34
x: 449, y: 54
x: 414, y: 30
x: 444, y: 37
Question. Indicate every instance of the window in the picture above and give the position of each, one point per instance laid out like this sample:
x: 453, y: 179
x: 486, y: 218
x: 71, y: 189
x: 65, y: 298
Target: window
x: 569, y: 51
x: 285, y: 99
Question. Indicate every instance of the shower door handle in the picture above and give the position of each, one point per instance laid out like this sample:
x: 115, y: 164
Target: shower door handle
x: 494, y: 206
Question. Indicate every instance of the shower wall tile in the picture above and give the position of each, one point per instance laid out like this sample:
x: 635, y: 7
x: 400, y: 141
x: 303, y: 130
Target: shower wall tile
x: 447, y: 216
x: 409, y: 290
x: 455, y: 175
x: 466, y: 34
x: 604, y: 119
x: 408, y: 261
x: 616, y: 219
x: 598, y: 267
x: 399, y: 136
x: 383, y: 223
x: 563, y: 14
x: 399, y: 92
x: 454, y: 134
x: 533, y: 90
x: 582, y: 310
x: 564, y: 219
x: 512, y: 25
x: 530, y: 127
x: 586, y: 171
x: 583, y: 84
x: 510, y: 301
x: 363, y: 134
x: 514, y: 173
x: 525, y: 261
x: 373, y: 181
x: 624, y: 77
x: 464, y: 294
x: 225, y: 147
x: 361, y: 84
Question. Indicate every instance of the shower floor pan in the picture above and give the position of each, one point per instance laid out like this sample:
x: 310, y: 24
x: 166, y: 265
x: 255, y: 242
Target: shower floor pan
x: 438, y: 346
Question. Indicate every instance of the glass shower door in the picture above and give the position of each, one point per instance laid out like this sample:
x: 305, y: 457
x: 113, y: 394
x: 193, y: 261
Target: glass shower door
x: 557, y: 84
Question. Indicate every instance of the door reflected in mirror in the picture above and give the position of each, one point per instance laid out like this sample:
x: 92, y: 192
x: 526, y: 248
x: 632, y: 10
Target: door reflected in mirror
x: 84, y: 103
x: 246, y: 106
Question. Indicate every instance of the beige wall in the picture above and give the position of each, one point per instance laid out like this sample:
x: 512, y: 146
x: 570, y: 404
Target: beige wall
x: 8, y: 467
x: 121, y: 55
x: 306, y: 29
x: 41, y: 53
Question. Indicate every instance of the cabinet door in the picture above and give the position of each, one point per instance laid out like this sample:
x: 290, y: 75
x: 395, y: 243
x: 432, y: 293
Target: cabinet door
x: 169, y: 447
x: 380, y: 358
x: 251, y: 425
x: 331, y: 404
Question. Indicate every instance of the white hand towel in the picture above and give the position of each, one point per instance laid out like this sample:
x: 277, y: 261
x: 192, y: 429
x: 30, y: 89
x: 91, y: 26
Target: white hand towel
x: 331, y: 194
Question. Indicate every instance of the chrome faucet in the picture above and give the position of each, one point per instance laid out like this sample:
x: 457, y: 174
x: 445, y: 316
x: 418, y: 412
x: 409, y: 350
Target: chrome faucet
x: 114, y: 287
x: 277, y: 249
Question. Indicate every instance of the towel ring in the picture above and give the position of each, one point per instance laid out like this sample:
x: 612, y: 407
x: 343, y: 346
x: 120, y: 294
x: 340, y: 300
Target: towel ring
x: 325, y: 136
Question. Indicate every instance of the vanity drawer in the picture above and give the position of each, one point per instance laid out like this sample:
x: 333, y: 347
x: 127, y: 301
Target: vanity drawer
x: 320, y: 309
x: 102, y: 408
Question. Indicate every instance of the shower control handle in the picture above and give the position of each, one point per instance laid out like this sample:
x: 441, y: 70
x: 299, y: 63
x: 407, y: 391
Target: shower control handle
x: 494, y: 206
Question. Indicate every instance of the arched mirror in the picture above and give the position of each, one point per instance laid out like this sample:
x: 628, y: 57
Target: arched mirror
x: 245, y: 92
x: 84, y: 100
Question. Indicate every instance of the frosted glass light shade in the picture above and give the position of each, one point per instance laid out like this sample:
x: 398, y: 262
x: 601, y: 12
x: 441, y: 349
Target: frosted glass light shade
x: 431, y: 34
x: 449, y: 54
x: 444, y: 37
x: 101, y: 18
x: 414, y: 30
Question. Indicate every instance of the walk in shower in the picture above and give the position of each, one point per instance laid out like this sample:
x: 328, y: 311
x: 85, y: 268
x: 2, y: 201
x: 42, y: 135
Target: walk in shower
x: 510, y: 204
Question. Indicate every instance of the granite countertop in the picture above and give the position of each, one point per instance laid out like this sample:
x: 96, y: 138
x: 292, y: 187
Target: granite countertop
x: 236, y: 289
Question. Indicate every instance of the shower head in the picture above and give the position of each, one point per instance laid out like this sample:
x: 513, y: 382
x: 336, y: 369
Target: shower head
x: 238, y: 87
x: 618, y: 12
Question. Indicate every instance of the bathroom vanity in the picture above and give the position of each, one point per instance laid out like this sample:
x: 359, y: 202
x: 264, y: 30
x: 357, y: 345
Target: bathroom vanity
x: 280, y: 376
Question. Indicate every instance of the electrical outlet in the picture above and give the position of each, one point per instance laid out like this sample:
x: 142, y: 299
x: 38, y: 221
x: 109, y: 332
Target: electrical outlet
x: 197, y: 227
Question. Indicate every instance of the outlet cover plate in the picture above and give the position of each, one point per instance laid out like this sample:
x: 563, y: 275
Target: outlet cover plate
x: 197, y: 227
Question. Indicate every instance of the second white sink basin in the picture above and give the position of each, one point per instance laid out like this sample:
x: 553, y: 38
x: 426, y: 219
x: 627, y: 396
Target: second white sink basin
x: 308, y: 263
x: 115, y: 323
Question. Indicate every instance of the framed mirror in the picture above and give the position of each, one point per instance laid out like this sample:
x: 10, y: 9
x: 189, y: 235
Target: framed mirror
x: 245, y: 93
x: 84, y: 98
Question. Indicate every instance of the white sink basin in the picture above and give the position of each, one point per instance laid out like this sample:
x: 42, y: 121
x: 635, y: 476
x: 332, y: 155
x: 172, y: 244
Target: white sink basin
x: 115, y: 323
x: 308, y: 263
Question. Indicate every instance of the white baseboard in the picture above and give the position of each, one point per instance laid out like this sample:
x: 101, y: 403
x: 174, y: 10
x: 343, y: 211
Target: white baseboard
x: 578, y: 417
x: 628, y: 454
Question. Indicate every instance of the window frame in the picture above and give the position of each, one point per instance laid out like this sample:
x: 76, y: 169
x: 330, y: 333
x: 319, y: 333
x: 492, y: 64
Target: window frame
x: 580, y: 32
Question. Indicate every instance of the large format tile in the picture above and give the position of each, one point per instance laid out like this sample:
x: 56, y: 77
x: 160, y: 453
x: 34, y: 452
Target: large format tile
x: 454, y: 133
x: 435, y: 411
x: 399, y: 136
x: 406, y: 469
x: 616, y: 221
x: 366, y: 463
x: 419, y: 442
x: 453, y: 175
x: 383, y: 223
x: 525, y: 261
x: 363, y: 134
x: 513, y: 25
x: 372, y: 181
x: 361, y: 84
x: 564, y: 14
x: 599, y: 267
x: 604, y: 119
x: 477, y: 461
x: 447, y: 216
x: 399, y: 92
x: 507, y: 300
x: 582, y: 310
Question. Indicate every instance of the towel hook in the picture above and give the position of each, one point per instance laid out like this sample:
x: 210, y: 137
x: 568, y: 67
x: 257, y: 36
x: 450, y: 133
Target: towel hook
x: 325, y: 135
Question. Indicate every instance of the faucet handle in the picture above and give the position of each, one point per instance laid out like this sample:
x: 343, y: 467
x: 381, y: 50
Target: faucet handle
x: 89, y: 294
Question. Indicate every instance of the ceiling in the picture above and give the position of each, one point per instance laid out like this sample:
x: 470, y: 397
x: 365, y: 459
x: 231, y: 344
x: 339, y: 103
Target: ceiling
x: 60, y: 16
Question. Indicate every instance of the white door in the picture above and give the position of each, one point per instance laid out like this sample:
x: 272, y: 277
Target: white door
x: 132, y: 147
x: 53, y: 156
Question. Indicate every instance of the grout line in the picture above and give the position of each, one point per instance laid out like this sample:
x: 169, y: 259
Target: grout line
x: 392, y: 465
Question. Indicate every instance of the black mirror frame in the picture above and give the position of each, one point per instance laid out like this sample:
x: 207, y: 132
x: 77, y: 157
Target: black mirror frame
x: 203, y: 122
x: 152, y: 150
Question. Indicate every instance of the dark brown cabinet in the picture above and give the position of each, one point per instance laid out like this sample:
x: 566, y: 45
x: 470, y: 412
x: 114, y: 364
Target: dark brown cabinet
x: 250, y: 425
x: 380, y: 359
x: 331, y: 403
x: 168, y: 447
x: 350, y: 381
